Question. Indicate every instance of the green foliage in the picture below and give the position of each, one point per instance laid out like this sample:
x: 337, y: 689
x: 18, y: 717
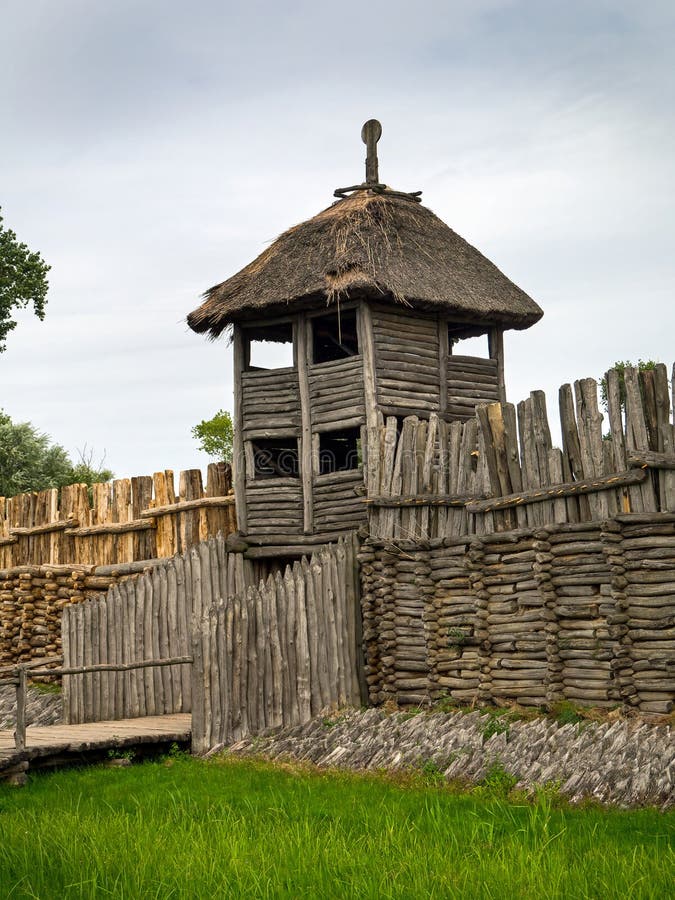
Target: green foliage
x: 621, y: 365
x: 497, y: 723
x: 23, y: 281
x: 30, y: 462
x: 496, y: 782
x: 566, y: 713
x: 456, y: 637
x: 238, y: 828
x: 431, y: 773
x: 215, y: 436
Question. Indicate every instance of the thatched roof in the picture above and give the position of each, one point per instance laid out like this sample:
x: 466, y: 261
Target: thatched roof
x: 375, y: 244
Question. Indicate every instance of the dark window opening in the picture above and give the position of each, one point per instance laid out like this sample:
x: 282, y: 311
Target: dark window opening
x: 269, y: 346
x: 276, y: 458
x: 339, y: 451
x: 334, y: 336
x: 468, y: 340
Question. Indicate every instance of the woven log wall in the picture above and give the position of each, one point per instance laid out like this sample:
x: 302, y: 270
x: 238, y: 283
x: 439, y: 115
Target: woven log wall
x: 582, y: 612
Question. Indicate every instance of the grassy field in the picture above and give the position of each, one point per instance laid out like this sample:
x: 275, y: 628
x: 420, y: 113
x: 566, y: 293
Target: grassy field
x: 224, y: 828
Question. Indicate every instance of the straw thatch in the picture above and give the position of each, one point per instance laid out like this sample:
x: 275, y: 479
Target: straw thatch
x: 370, y: 244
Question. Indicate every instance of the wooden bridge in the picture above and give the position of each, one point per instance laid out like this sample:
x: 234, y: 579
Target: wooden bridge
x: 56, y: 745
x: 63, y: 744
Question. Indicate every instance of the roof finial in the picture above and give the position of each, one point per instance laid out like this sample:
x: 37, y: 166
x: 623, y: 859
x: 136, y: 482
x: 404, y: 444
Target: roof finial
x: 370, y: 135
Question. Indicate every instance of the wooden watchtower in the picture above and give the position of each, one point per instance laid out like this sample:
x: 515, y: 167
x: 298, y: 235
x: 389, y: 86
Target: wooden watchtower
x: 373, y: 297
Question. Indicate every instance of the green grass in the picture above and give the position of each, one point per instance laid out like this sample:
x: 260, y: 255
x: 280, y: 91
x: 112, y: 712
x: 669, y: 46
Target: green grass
x: 183, y: 828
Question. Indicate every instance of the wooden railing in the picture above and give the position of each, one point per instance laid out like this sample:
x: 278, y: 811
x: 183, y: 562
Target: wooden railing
x: 49, y: 667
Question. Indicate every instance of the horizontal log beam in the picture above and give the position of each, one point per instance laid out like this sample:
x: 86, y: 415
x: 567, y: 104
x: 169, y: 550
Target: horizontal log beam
x: 116, y: 667
x: 458, y: 500
x: 651, y: 459
x: 565, y: 489
x: 185, y: 505
x: 112, y: 528
x: 60, y: 525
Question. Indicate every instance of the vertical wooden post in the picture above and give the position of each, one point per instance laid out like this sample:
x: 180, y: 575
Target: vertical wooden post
x: 238, y: 458
x: 367, y: 345
x: 302, y: 354
x: 496, y: 351
x: 20, y: 733
x: 443, y: 351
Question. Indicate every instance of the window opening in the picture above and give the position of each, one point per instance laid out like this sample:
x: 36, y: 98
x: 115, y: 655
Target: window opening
x: 276, y: 458
x: 270, y: 346
x: 334, y: 336
x: 340, y: 451
x: 467, y: 340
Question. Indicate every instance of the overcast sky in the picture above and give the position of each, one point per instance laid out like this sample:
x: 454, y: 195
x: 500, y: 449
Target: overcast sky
x: 149, y: 150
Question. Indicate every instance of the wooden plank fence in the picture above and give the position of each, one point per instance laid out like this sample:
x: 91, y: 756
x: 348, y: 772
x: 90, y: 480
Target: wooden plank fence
x: 145, y: 619
x: 121, y: 521
x: 281, y: 652
x: 499, y: 470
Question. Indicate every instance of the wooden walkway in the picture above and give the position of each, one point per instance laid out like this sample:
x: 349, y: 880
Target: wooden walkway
x: 54, y: 745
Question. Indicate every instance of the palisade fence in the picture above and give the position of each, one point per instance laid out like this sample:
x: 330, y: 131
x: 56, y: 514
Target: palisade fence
x: 500, y: 471
x: 264, y: 653
x: 279, y: 653
x: 144, y: 619
x: 122, y: 521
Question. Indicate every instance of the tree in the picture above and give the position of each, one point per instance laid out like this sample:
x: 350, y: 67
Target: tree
x: 215, y: 436
x: 621, y: 366
x: 23, y: 280
x: 29, y: 461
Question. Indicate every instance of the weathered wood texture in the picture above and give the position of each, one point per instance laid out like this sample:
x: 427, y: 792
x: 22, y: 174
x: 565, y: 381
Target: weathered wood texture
x: 407, y: 356
x: 270, y: 401
x: 336, y: 391
x: 579, y: 612
x: 147, y: 618
x: 499, y: 469
x: 278, y: 653
x: 126, y: 519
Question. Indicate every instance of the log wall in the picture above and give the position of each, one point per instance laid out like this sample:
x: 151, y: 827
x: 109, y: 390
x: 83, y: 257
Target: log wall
x: 336, y: 392
x: 120, y: 521
x: 407, y: 365
x: 270, y: 402
x: 279, y: 653
x: 499, y: 469
x: 581, y: 612
x: 470, y: 381
x: 149, y: 617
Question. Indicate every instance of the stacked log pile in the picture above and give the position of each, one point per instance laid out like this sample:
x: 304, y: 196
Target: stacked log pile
x: 455, y: 654
x: 581, y: 612
x: 516, y: 650
x: 31, y: 601
x: 647, y: 548
x: 587, y: 636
